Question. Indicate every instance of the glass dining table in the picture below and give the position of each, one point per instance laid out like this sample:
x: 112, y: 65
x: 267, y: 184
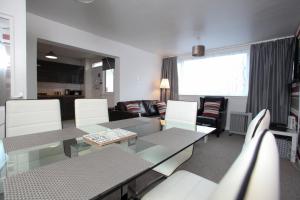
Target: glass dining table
x: 150, y: 145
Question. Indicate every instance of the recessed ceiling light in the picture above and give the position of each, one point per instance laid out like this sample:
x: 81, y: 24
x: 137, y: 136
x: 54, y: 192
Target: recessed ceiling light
x: 86, y: 1
x: 51, y: 55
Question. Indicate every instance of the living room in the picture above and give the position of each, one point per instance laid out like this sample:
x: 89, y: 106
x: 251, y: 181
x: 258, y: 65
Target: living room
x: 202, y: 49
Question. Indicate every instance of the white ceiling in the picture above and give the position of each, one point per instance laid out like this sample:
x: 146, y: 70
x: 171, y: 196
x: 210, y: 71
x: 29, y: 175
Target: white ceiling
x: 43, y: 47
x: 170, y: 27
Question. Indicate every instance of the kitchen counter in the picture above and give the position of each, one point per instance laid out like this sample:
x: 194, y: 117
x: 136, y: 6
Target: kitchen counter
x: 59, y: 96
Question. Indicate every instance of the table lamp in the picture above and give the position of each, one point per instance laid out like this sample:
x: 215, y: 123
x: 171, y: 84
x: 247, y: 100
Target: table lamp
x: 165, y: 85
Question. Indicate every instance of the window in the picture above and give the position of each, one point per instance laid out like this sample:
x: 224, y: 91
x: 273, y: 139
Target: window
x: 225, y: 75
x: 5, y: 60
x: 109, y: 80
x: 97, y: 64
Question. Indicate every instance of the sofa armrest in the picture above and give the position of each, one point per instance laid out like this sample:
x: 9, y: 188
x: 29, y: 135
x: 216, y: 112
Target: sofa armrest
x: 115, y: 115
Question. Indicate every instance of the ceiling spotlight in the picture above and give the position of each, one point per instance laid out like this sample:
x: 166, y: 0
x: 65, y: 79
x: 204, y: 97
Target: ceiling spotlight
x: 51, y: 55
x: 86, y: 1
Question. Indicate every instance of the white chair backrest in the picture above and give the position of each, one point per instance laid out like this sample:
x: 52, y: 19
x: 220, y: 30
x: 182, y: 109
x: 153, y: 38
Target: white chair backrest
x: 25, y: 117
x: 90, y: 112
x: 181, y: 112
x: 258, y: 124
x: 254, y: 174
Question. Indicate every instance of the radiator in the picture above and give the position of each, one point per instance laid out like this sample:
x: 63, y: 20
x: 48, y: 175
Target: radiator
x: 239, y: 122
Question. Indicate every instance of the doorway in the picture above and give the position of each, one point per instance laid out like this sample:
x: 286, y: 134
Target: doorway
x: 68, y: 73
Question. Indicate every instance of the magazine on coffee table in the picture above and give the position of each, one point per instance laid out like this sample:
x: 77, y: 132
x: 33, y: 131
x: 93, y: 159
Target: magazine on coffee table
x: 108, y: 136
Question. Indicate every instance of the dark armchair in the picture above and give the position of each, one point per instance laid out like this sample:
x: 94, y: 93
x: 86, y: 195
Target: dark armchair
x: 218, y: 122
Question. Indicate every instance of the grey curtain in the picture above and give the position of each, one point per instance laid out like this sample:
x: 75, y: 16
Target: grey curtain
x: 169, y: 71
x: 271, y: 69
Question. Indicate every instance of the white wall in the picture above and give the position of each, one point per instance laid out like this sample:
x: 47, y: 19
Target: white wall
x: 137, y: 71
x: 17, y: 10
x: 237, y: 104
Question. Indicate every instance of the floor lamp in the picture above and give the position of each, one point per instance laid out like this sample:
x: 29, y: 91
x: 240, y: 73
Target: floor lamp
x: 164, y: 85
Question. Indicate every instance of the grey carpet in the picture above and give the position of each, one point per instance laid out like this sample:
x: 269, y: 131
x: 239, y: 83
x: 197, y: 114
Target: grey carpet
x: 213, y: 159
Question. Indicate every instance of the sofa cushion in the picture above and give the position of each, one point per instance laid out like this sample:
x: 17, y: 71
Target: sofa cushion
x: 133, y: 107
x: 151, y: 107
x: 162, y: 107
x: 211, y: 109
x: 123, y: 106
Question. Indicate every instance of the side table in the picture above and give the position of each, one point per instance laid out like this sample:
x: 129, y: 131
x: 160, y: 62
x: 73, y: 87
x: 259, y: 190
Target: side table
x: 294, y: 135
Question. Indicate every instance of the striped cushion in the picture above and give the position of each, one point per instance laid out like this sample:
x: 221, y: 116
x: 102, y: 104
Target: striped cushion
x: 133, y: 107
x: 211, y: 109
x: 161, y: 106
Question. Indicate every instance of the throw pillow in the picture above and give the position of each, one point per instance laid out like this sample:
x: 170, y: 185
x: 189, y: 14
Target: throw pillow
x: 133, y: 107
x: 212, y: 109
x: 161, y: 107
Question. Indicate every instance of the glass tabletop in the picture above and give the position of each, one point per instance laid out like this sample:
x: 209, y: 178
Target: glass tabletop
x: 26, y: 159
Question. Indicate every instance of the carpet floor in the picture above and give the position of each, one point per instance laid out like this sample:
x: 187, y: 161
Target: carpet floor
x: 212, y: 160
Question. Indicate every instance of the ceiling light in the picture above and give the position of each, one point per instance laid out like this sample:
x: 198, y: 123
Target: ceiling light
x: 86, y: 1
x: 198, y: 50
x: 51, y: 55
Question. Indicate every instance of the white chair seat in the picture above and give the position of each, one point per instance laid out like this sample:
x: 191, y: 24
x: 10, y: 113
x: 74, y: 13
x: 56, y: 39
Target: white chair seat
x: 182, y: 185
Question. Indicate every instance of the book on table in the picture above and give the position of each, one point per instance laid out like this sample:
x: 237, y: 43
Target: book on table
x: 108, y: 136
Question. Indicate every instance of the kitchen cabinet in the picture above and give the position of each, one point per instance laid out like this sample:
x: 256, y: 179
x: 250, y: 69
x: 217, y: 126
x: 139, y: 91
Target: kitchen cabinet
x: 59, y: 73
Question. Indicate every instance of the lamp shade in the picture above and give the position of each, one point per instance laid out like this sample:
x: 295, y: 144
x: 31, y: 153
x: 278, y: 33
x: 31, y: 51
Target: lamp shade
x: 198, y: 50
x: 164, y: 83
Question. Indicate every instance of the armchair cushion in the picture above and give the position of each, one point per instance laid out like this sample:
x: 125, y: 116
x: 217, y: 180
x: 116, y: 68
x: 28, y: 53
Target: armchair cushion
x: 162, y: 107
x: 211, y: 109
x: 207, y: 121
x: 222, y: 100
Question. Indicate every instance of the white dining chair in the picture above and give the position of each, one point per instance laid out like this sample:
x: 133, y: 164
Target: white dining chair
x: 90, y: 112
x: 253, y: 175
x: 179, y: 114
x: 259, y: 123
x: 25, y: 117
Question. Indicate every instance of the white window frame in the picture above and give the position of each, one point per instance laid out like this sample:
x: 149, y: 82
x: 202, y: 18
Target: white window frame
x: 216, y: 53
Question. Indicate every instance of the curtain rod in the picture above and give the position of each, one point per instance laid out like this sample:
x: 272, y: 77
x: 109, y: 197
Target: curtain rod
x: 271, y: 40
x: 238, y: 46
x: 249, y: 44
